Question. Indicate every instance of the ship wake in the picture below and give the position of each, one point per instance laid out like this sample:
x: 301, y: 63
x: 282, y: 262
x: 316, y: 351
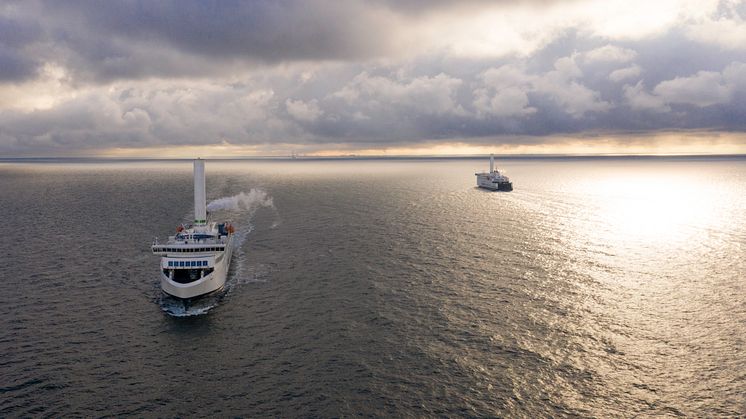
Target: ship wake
x: 177, y: 307
x: 242, y: 207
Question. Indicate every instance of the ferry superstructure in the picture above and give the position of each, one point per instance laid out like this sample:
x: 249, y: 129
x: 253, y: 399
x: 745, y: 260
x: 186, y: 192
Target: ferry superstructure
x: 195, y: 261
x: 494, y: 180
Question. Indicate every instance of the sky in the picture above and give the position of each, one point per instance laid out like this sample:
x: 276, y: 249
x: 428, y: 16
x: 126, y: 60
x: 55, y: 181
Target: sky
x: 319, y: 77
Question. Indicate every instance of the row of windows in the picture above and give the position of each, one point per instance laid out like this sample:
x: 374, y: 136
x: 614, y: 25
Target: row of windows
x: 186, y: 263
x: 192, y: 250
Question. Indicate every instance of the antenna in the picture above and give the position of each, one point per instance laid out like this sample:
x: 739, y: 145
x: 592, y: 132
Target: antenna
x: 492, y: 163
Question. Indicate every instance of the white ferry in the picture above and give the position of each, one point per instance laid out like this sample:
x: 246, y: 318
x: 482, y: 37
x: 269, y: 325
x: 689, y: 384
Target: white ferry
x: 195, y: 261
x: 494, y: 180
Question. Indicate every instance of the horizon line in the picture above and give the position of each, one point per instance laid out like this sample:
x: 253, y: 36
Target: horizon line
x: 373, y: 156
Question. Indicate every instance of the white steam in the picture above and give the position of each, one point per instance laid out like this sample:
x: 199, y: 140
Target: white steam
x: 243, y: 201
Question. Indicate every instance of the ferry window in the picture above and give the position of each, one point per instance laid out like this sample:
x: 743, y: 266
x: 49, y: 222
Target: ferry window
x: 194, y: 263
x: 181, y: 263
x: 204, y: 263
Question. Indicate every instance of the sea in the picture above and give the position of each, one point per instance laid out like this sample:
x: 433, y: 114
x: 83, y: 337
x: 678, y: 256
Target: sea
x: 600, y: 287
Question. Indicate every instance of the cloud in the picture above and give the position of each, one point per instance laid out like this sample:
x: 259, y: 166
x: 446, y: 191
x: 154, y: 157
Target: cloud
x: 504, y: 93
x: 79, y: 75
x: 303, y: 111
x: 561, y: 86
x: 610, y: 53
x: 16, y: 61
x: 429, y: 95
x: 725, y: 28
x: 639, y: 99
x: 703, y: 89
x: 625, y: 73
x: 147, y: 115
x: 507, y: 91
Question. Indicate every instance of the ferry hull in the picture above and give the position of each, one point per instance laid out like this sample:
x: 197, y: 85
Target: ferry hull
x: 495, y: 186
x: 207, y: 285
x: 204, y: 286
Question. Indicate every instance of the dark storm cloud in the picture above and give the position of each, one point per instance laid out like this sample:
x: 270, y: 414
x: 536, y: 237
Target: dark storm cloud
x: 16, y: 62
x: 101, y: 41
x: 269, y: 30
x: 139, y: 74
x: 128, y: 39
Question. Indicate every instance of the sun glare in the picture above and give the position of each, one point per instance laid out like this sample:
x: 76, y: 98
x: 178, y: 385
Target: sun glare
x: 655, y: 209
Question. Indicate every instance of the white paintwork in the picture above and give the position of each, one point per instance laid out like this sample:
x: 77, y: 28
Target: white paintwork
x: 200, y: 205
x: 493, y: 179
x: 216, y: 252
x: 203, y: 251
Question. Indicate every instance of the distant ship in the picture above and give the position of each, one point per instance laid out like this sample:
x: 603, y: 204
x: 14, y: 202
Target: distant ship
x: 195, y: 261
x: 494, y: 180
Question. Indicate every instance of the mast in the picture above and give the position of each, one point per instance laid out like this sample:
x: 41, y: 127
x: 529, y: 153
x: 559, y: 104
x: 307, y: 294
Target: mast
x: 492, y: 163
x: 200, y: 207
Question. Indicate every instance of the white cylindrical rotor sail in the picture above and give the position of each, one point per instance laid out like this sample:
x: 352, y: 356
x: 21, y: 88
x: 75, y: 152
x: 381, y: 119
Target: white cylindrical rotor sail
x: 200, y: 205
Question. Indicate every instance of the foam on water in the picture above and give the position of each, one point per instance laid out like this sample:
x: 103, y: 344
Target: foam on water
x: 243, y: 201
x: 187, y: 308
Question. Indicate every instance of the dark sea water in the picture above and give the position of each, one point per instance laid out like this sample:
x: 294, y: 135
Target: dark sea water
x: 606, y: 287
